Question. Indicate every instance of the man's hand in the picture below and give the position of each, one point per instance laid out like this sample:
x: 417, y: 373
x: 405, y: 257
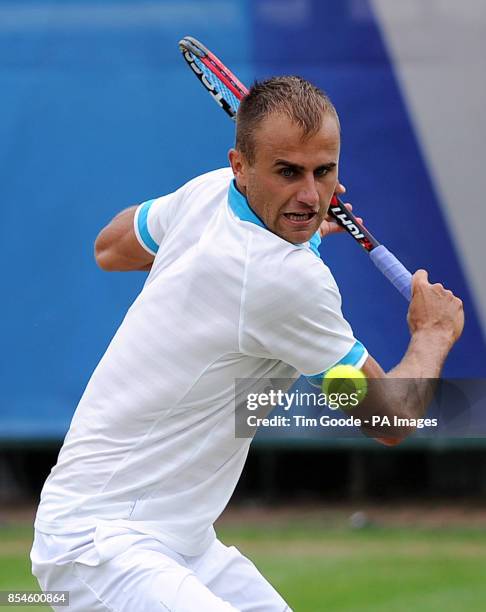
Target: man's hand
x: 434, y: 310
x: 330, y: 225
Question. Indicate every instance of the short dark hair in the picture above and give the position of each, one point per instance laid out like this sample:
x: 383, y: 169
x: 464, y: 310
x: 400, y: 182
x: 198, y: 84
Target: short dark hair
x: 301, y: 101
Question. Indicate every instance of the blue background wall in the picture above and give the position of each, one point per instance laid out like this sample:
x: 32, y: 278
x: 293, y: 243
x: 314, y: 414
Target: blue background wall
x: 99, y: 112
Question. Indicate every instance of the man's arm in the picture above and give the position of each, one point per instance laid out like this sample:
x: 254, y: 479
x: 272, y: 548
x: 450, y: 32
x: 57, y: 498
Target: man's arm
x: 117, y: 247
x: 436, y: 320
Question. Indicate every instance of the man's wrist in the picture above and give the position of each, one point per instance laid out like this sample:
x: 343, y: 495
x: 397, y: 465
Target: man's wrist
x: 434, y: 338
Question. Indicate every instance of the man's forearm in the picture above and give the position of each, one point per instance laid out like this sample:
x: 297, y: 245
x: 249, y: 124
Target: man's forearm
x: 411, y: 384
x: 425, y: 356
x: 413, y: 381
x: 405, y: 392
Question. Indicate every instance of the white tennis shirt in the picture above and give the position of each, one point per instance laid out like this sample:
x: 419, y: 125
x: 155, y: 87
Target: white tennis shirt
x: 152, y: 444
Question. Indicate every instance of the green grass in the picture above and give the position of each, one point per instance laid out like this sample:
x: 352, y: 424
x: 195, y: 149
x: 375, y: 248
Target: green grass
x: 318, y: 569
x: 15, y: 572
x: 371, y: 570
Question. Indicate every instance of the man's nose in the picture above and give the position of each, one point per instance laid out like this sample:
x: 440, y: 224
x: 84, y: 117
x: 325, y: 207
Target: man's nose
x: 308, y: 193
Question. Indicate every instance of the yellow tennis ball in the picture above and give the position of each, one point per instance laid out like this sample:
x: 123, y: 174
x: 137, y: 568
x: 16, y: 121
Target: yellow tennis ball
x: 345, y: 379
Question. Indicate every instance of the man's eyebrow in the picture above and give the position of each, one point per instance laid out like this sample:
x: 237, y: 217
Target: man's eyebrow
x: 284, y: 162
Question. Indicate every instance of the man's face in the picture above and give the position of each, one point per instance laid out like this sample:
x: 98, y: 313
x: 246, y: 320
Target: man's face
x: 292, y: 179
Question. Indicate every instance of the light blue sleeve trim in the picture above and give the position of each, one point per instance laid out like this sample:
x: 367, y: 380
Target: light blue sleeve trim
x: 143, y: 226
x: 355, y: 357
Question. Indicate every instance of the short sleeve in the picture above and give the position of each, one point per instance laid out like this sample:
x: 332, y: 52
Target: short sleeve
x: 294, y: 314
x: 152, y: 219
x: 155, y: 218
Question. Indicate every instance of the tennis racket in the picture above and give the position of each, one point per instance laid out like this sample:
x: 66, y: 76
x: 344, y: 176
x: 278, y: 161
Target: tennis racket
x: 227, y: 91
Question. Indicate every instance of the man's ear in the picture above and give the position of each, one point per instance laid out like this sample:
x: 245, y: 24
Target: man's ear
x: 239, y: 166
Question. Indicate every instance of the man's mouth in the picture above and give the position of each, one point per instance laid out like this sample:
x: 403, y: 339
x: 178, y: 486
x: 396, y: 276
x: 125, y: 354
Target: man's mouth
x: 300, y: 216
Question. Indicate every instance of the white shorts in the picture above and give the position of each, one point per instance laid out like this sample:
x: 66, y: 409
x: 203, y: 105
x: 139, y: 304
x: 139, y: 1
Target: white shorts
x: 136, y: 573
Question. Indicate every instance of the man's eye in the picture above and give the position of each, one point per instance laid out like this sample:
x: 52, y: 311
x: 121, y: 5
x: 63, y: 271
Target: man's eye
x: 287, y: 172
x: 322, y: 171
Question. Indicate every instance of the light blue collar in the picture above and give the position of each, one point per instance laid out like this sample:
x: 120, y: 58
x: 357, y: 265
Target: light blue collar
x: 239, y: 205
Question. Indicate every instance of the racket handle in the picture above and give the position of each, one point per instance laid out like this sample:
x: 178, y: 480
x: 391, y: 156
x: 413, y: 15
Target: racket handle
x: 393, y: 269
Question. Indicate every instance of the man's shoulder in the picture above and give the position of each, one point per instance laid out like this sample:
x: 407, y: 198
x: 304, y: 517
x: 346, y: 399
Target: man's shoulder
x: 219, y: 177
x: 212, y: 182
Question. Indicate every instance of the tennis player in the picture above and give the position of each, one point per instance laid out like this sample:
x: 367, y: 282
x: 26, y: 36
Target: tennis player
x: 236, y: 290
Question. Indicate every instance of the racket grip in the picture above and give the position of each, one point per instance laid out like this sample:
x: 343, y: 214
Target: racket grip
x: 393, y: 269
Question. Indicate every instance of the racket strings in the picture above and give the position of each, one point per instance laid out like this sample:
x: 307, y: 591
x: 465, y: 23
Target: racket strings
x: 218, y: 85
